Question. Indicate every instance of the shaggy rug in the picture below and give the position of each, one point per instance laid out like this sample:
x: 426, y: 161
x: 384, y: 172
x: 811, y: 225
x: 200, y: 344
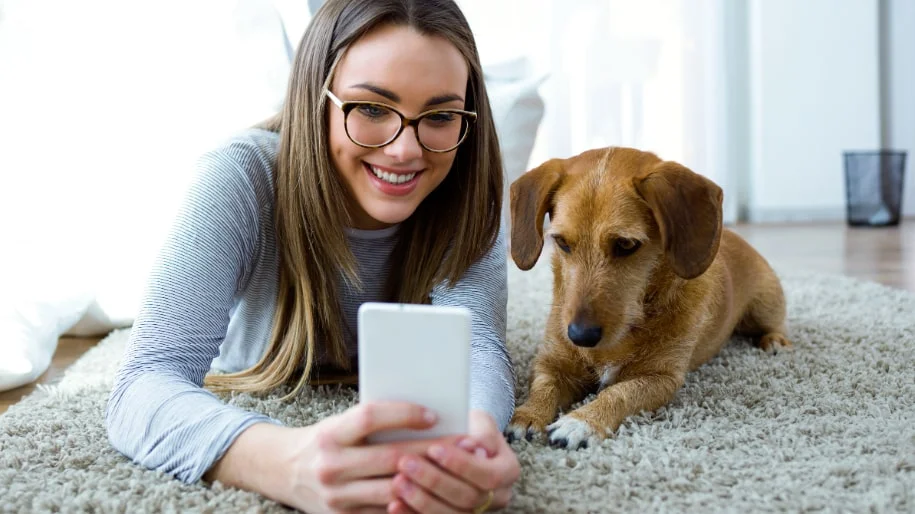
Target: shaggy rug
x: 828, y: 427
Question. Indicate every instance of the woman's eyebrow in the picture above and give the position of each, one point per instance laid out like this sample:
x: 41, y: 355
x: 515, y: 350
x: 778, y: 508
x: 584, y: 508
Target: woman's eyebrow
x: 394, y: 97
x: 443, y: 99
x: 390, y: 95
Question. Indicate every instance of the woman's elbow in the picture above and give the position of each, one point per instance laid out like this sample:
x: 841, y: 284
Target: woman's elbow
x: 117, y: 417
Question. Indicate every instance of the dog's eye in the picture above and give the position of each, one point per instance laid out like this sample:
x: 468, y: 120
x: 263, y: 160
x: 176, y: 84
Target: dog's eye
x: 623, y: 247
x: 561, y: 243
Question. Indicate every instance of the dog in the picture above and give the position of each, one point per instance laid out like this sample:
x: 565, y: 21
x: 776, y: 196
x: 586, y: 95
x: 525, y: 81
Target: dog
x: 647, y: 286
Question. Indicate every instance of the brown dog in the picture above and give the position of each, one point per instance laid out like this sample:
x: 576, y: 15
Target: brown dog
x: 647, y: 286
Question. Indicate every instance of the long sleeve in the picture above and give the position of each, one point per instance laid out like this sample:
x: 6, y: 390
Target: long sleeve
x: 484, y: 290
x: 158, y: 414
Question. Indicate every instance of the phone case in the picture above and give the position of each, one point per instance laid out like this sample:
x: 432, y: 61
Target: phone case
x: 419, y: 354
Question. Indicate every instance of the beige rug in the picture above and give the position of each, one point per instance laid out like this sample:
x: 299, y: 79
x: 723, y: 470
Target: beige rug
x: 829, y: 427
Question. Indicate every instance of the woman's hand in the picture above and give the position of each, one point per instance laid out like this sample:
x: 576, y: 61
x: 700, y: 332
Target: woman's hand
x: 332, y: 470
x: 459, y: 477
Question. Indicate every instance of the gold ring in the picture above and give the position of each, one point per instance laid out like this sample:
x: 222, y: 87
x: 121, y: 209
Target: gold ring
x: 485, y: 505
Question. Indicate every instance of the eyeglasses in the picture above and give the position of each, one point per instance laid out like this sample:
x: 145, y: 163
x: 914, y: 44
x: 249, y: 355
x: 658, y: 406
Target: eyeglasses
x: 374, y: 125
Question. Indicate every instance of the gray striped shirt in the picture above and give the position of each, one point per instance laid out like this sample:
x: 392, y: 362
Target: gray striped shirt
x: 210, y: 302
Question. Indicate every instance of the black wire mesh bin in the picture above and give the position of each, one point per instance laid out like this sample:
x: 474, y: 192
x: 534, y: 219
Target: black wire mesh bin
x: 874, y: 187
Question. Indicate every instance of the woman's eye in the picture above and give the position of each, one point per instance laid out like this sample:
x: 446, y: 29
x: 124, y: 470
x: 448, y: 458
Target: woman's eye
x: 561, y: 243
x: 372, y: 111
x: 624, y: 247
x: 441, y: 118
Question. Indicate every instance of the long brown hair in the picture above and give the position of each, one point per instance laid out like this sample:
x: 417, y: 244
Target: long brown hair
x: 453, y: 227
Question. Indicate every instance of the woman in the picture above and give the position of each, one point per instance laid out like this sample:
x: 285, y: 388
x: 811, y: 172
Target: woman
x: 379, y: 180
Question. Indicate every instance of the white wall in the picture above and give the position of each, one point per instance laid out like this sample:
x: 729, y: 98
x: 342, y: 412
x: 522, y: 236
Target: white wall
x: 104, y: 107
x: 814, y: 92
x: 898, y: 40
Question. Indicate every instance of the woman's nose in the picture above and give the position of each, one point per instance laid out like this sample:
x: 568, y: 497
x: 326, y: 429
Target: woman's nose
x: 405, y: 147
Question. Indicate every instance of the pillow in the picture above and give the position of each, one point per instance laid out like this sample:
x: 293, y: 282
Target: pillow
x: 517, y: 110
x: 33, y: 315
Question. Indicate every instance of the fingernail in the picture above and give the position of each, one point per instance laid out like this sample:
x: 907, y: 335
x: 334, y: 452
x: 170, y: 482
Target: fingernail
x: 466, y: 444
x: 405, y: 487
x: 430, y: 416
x: 437, y: 452
x: 411, y: 466
x: 480, y: 452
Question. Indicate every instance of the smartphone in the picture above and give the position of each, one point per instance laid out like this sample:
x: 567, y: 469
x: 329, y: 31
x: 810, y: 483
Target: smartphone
x: 419, y: 354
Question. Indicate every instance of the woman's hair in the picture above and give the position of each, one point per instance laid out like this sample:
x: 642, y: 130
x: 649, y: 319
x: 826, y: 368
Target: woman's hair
x: 453, y: 227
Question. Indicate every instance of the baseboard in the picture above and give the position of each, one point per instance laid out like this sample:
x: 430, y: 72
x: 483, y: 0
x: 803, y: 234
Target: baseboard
x: 782, y: 215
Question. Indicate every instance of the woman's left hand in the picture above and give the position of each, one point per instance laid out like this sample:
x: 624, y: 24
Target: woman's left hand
x: 475, y: 475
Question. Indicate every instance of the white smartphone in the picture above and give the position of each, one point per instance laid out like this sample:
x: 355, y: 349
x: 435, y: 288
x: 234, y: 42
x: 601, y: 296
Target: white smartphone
x: 420, y: 354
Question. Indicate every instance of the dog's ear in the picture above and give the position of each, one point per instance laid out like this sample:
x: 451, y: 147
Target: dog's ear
x: 687, y: 209
x: 531, y: 198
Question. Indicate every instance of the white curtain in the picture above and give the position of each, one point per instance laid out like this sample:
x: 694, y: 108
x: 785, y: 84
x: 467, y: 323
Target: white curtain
x: 649, y: 74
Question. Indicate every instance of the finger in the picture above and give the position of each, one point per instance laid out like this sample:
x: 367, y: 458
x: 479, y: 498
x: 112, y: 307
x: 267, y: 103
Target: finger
x: 399, y: 507
x: 421, y: 446
x: 451, y: 490
x: 361, y: 462
x: 357, y: 423
x: 478, y: 471
x: 483, y: 433
x: 501, y: 498
x: 367, y: 510
x: 362, y: 494
x: 473, y: 446
x: 418, y: 498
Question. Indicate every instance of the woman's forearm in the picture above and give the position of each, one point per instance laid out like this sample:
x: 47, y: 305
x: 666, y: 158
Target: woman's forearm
x: 255, y: 462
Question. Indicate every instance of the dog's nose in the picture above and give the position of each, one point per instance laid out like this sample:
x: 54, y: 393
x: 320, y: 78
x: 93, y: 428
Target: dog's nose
x: 584, y: 335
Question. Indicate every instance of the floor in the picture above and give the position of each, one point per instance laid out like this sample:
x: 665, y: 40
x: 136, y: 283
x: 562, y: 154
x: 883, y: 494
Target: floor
x: 884, y: 255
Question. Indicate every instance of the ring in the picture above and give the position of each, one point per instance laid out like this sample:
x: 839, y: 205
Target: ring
x: 485, y: 505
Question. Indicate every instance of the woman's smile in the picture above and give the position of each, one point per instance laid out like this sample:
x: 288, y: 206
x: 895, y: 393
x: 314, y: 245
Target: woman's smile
x: 393, y: 181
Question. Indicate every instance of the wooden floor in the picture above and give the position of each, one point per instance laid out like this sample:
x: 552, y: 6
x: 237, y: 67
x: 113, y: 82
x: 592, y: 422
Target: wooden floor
x: 884, y: 255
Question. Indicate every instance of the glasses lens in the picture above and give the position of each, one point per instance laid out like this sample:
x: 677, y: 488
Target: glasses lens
x: 442, y: 130
x: 372, y: 124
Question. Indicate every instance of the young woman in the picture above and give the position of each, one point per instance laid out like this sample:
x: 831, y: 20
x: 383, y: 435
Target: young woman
x: 379, y: 180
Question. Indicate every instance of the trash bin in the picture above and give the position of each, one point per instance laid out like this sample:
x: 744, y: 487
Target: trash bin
x: 874, y: 187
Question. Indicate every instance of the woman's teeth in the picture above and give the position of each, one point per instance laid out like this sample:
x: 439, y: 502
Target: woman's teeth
x: 392, y: 178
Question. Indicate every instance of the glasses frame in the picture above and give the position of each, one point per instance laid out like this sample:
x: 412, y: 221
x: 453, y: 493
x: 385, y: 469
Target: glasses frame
x: 405, y: 121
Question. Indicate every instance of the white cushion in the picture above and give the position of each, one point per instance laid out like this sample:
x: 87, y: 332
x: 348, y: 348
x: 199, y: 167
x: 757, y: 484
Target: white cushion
x: 517, y: 110
x: 32, y: 319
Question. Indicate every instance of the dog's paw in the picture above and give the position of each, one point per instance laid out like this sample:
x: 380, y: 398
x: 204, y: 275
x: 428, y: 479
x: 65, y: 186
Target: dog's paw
x: 569, y: 432
x: 774, y: 342
x: 516, y: 432
x: 525, y: 424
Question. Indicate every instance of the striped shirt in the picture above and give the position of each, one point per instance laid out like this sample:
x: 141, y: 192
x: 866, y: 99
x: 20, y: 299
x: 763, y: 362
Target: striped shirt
x: 210, y: 301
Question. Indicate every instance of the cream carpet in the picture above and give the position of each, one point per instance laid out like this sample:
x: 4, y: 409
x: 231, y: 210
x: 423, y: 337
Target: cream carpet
x: 829, y: 427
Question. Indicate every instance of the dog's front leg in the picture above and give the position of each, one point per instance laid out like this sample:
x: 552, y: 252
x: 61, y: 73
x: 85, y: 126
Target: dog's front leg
x: 555, y: 384
x: 603, y: 415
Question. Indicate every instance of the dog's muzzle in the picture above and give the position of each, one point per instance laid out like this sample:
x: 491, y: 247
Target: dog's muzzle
x: 585, y: 335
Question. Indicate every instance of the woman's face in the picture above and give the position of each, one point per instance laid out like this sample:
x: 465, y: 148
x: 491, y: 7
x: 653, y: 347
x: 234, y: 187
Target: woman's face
x: 412, y: 73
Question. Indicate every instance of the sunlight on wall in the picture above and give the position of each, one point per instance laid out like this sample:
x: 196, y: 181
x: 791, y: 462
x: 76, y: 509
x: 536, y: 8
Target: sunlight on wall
x: 105, y: 107
x: 620, y: 72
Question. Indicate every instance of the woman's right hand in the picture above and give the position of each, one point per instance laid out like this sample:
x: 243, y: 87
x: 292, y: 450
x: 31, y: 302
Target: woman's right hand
x: 332, y: 470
